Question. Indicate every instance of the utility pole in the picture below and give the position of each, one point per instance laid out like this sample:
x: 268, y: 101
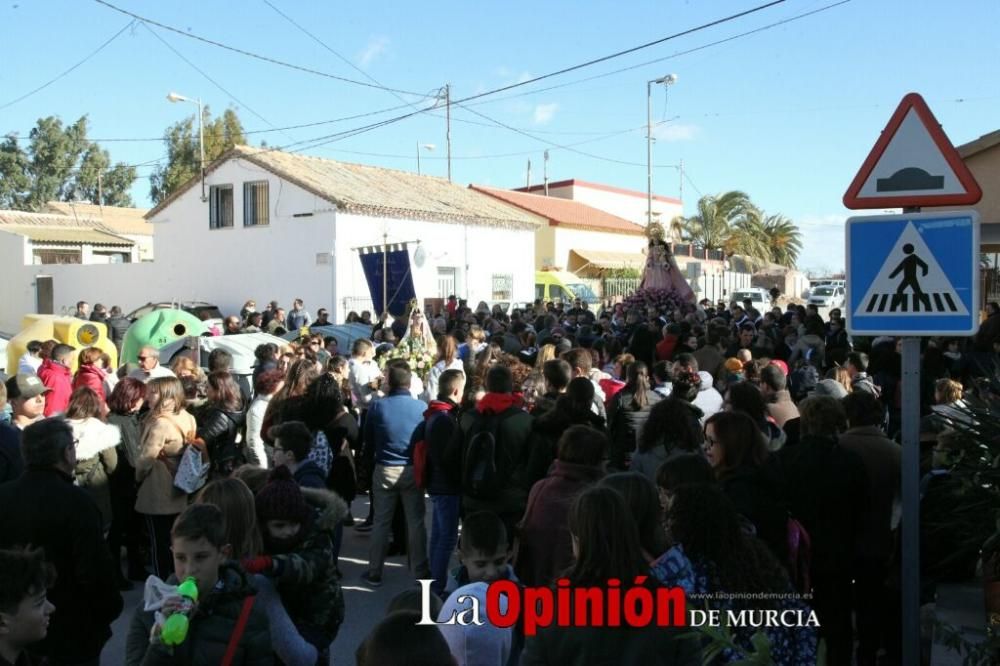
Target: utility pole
x: 447, y: 115
x: 100, y: 188
x: 385, y: 269
x: 680, y: 181
x: 527, y: 181
x: 545, y: 172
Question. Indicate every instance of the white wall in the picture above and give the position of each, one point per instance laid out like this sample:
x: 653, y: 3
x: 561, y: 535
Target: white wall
x: 567, y: 239
x: 628, y: 206
x: 229, y: 266
x: 485, y: 250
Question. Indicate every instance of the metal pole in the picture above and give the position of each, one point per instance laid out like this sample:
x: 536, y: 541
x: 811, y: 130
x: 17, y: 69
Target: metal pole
x: 201, y: 150
x: 649, y: 153
x: 910, y: 487
x: 545, y: 172
x: 385, y: 269
x: 527, y: 180
x: 447, y: 115
x: 418, y: 158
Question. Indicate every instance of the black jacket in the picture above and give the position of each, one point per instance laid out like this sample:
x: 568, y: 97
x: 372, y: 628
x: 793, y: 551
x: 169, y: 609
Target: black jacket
x: 756, y: 494
x: 546, y: 430
x: 310, y: 475
x: 11, y: 464
x: 219, y: 429
x: 117, y: 327
x: 625, y: 423
x: 826, y: 489
x: 45, y: 509
x: 210, y: 631
x: 444, y: 449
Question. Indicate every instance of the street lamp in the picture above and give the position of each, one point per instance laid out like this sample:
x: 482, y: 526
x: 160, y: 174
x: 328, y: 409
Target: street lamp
x: 426, y: 146
x: 174, y: 97
x: 667, y: 80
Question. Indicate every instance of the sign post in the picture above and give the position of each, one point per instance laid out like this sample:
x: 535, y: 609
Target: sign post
x: 912, y: 275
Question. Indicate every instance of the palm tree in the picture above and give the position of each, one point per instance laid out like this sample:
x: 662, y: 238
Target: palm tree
x: 717, y: 215
x: 783, y: 239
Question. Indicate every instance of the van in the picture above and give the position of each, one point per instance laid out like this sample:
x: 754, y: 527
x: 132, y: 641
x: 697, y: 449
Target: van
x: 562, y: 286
x: 758, y: 297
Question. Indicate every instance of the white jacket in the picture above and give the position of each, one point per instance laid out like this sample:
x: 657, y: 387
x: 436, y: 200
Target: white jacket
x: 93, y: 436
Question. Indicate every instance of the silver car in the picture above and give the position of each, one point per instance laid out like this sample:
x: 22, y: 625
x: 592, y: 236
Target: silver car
x: 827, y: 296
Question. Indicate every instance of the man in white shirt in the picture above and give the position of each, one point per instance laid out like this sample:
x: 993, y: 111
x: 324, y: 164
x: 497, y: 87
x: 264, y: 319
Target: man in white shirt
x: 149, y: 366
x: 31, y: 360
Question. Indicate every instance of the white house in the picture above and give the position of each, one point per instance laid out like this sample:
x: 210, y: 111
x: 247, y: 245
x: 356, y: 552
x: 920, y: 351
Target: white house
x: 42, y: 239
x: 127, y: 222
x: 277, y: 225
x: 628, y: 204
x: 577, y: 237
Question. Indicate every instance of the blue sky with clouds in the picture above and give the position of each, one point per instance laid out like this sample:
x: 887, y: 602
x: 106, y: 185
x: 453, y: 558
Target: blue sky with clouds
x: 786, y: 114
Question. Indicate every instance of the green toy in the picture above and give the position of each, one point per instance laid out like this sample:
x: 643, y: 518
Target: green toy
x: 158, y: 329
x: 175, y: 627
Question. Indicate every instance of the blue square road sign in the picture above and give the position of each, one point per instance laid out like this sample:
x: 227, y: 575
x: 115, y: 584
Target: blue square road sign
x: 914, y: 274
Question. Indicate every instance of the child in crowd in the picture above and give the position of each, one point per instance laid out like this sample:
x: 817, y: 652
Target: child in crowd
x: 225, y: 619
x: 483, y: 552
x: 399, y: 640
x: 298, y: 540
x: 25, y: 577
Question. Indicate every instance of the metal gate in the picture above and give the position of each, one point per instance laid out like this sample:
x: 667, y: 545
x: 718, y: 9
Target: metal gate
x: 446, y: 282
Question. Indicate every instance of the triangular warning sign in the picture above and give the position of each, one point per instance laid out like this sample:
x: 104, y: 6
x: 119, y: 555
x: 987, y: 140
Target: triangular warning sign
x: 910, y: 282
x: 912, y: 164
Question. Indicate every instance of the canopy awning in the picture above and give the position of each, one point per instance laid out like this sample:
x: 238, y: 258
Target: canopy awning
x: 597, y: 260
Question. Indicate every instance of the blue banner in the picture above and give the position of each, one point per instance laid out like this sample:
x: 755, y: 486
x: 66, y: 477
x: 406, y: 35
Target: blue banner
x: 399, y: 283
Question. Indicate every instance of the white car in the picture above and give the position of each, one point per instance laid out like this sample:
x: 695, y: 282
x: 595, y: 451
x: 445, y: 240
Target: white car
x: 758, y: 297
x: 827, y: 296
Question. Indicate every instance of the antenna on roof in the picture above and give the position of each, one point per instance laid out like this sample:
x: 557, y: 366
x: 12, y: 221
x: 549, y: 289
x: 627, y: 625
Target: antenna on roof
x: 545, y: 172
x: 527, y: 183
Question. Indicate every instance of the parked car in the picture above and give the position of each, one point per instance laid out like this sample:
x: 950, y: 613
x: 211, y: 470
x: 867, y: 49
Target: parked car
x: 827, y: 296
x: 757, y: 296
x: 206, y: 312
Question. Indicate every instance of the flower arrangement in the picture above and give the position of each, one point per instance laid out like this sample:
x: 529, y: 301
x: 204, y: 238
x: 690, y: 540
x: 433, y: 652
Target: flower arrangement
x: 418, y: 358
x: 664, y: 300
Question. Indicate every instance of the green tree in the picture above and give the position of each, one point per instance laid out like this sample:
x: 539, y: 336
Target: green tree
x: 783, y: 238
x: 60, y: 163
x: 718, y: 216
x: 181, y: 138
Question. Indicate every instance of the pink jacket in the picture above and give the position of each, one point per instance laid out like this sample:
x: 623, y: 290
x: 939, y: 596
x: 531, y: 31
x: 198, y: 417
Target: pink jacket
x: 59, y: 379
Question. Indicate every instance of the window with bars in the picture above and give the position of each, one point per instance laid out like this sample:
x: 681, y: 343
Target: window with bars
x: 255, y: 203
x: 220, y: 206
x: 503, y: 286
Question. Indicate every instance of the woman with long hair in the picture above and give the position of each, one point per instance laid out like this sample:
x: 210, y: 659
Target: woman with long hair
x: 628, y: 411
x: 124, y: 404
x: 168, y: 426
x: 643, y: 502
x: 286, y: 405
x: 606, y: 546
x: 96, y: 457
x: 221, y: 423
x: 714, y: 556
x: 236, y: 502
x: 738, y: 456
x: 546, y: 353
x: 673, y: 427
x: 266, y: 385
x: 91, y: 372
x: 447, y: 359
x: 747, y: 398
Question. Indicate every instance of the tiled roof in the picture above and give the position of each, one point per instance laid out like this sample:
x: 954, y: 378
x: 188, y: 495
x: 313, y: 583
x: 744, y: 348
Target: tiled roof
x: 49, y: 228
x: 375, y: 191
x: 565, y: 212
x: 576, y: 182
x: 129, y: 221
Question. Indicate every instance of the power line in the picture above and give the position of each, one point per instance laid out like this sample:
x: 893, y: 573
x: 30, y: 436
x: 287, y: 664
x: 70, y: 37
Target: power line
x: 618, y: 54
x: 59, y: 76
x: 256, y: 56
x: 669, y: 57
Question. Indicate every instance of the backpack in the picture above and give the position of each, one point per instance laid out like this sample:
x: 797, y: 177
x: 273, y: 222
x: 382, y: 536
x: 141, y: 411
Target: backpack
x: 420, y: 475
x: 487, y: 465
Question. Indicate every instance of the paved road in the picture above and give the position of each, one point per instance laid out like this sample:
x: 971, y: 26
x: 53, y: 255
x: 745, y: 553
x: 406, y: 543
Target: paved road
x: 365, y: 605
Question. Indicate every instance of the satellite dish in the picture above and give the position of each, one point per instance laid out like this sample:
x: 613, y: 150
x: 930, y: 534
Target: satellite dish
x: 419, y: 256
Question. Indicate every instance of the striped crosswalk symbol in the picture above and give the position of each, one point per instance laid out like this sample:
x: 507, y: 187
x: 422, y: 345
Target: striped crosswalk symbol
x: 909, y: 282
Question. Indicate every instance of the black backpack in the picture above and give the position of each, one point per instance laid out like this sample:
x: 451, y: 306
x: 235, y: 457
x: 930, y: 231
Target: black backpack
x: 487, y: 465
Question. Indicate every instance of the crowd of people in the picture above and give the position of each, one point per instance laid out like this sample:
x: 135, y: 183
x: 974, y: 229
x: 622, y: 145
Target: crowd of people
x: 712, y: 447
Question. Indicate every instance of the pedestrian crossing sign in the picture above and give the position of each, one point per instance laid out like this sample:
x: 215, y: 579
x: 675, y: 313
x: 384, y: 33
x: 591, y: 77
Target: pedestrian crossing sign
x: 913, y: 274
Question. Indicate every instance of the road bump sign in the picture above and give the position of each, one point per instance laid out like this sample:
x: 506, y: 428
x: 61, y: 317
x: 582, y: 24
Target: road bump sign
x: 913, y: 274
x: 912, y: 164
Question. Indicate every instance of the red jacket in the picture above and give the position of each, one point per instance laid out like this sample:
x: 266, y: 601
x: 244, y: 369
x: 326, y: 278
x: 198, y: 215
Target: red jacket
x: 59, y: 379
x: 93, y: 378
x: 665, y: 348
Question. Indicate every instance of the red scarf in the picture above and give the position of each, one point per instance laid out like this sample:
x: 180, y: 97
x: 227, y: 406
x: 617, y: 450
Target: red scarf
x: 498, y: 403
x: 436, y: 406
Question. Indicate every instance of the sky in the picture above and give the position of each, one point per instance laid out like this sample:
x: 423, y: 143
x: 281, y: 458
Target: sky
x: 786, y: 114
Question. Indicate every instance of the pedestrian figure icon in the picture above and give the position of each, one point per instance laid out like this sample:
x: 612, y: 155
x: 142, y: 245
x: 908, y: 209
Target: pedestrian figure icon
x: 909, y: 282
x: 908, y: 267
